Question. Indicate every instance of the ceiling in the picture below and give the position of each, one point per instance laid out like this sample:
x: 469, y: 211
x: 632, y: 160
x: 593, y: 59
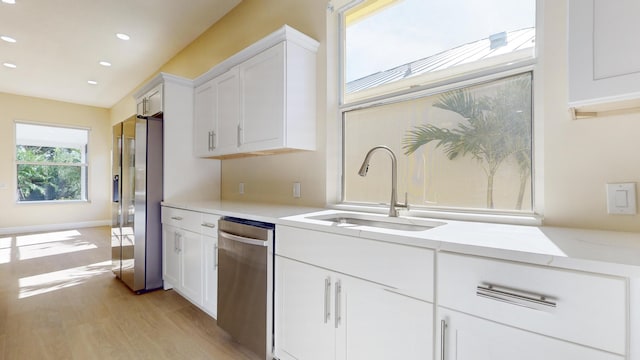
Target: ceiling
x: 59, y: 44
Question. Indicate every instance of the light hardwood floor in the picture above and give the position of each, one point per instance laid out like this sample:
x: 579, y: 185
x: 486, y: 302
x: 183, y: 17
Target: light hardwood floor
x: 60, y: 300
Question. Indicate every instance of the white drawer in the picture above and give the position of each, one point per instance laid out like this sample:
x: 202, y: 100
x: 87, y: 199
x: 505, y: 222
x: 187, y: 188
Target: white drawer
x: 209, y: 225
x: 184, y: 219
x: 407, y: 269
x: 580, y: 307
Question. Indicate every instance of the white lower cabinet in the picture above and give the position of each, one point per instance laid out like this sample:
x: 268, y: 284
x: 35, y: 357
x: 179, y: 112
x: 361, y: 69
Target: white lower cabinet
x: 170, y: 256
x: 182, y: 262
x: 502, y: 310
x: 322, y: 314
x: 468, y: 337
x: 191, y: 266
x: 189, y: 256
x: 304, y: 321
x: 210, y: 273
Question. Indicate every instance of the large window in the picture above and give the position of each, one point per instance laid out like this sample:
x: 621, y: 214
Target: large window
x: 51, y: 163
x: 447, y: 86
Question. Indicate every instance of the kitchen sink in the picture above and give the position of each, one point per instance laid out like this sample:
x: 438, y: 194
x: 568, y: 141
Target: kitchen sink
x: 395, y: 223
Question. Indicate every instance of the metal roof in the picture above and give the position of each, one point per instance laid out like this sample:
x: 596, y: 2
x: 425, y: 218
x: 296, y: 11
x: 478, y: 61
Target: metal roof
x: 497, y: 44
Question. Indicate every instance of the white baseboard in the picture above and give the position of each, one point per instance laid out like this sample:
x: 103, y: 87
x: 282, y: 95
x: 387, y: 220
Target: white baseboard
x: 52, y: 227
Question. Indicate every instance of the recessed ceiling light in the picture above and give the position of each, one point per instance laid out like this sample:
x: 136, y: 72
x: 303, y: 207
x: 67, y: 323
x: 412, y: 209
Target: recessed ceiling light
x: 92, y: 82
x: 122, y: 36
x: 9, y: 1
x: 105, y: 63
x: 10, y: 65
x: 8, y: 39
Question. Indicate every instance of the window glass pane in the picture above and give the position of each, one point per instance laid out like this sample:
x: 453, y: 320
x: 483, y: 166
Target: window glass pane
x: 389, y: 41
x: 467, y: 148
x: 42, y: 153
x: 46, y: 182
x: 48, y: 154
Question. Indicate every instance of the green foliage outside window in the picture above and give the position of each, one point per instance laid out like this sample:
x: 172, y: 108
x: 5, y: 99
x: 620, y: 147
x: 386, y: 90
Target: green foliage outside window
x: 43, y: 175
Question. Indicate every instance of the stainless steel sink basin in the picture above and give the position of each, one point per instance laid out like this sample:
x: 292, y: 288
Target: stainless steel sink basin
x: 354, y: 220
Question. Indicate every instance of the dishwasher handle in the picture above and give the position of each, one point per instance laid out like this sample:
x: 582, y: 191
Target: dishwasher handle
x: 242, y: 239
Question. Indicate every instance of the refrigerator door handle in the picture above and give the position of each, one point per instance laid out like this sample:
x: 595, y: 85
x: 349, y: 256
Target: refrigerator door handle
x: 116, y: 188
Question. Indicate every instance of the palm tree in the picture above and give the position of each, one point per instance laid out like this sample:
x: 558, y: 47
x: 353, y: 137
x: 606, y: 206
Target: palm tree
x: 494, y: 129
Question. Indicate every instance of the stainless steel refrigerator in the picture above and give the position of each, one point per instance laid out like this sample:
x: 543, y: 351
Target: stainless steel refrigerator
x: 136, y: 233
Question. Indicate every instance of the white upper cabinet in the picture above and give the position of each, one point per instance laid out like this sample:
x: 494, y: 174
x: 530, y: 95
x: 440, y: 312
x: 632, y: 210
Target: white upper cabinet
x: 217, y: 113
x: 604, y: 62
x: 151, y: 102
x: 261, y: 100
x: 262, y: 82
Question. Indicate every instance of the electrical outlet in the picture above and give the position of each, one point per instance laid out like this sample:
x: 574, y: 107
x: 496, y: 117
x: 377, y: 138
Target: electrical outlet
x: 3, y: 186
x: 241, y: 188
x: 296, y: 189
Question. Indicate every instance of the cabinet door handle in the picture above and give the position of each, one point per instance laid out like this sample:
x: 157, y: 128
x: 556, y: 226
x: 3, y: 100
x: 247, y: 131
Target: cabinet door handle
x: 213, y: 140
x: 208, y: 225
x: 178, y: 218
x: 443, y: 342
x: 239, y: 135
x: 215, y: 256
x: 209, y: 141
x: 179, y: 242
x: 338, y: 316
x: 176, y: 237
x: 327, y: 299
x: 515, y: 297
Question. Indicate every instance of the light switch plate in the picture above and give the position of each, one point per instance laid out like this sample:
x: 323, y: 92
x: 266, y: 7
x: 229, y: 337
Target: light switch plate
x: 621, y: 198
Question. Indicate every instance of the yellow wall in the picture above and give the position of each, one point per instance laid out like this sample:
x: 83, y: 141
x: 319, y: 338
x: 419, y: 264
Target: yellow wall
x: 580, y: 157
x: 22, y: 108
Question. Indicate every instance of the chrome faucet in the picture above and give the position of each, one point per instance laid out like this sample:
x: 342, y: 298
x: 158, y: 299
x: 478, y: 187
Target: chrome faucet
x: 394, y: 178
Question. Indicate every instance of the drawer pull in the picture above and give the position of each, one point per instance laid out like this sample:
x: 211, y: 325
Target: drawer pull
x: 179, y: 218
x: 208, y: 225
x: 515, y: 297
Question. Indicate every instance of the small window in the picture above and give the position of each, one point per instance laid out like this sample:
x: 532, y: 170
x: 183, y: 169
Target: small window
x: 51, y: 163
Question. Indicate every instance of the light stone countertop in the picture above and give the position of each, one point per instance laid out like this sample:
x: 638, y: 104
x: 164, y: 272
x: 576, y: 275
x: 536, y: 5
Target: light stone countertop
x: 609, y: 252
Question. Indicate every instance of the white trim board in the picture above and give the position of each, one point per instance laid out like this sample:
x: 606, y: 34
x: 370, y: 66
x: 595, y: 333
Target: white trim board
x: 52, y: 227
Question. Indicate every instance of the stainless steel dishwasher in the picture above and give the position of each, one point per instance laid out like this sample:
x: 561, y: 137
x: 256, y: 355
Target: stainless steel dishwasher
x: 245, y: 283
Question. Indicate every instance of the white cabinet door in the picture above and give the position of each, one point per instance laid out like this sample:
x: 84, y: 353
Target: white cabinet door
x: 262, y: 89
x: 378, y: 324
x: 170, y: 256
x: 471, y: 338
x: 604, y: 63
x: 210, y: 290
x: 227, y: 113
x: 151, y: 102
x: 154, y: 100
x: 204, y: 126
x: 217, y: 115
x: 305, y: 327
x: 191, y: 252
x: 326, y: 315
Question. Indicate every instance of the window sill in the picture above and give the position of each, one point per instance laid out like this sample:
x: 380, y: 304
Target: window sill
x: 500, y: 218
x: 51, y: 202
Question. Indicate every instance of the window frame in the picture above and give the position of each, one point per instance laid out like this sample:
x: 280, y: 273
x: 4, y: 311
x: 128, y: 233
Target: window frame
x: 335, y: 19
x: 84, y: 172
